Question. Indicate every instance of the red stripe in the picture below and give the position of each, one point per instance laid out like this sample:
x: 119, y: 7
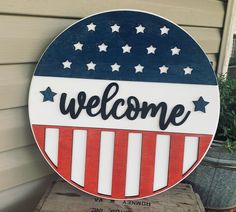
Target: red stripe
x: 92, y: 160
x: 120, y: 158
x: 176, y: 158
x: 203, y: 144
x: 39, y: 133
x: 147, y: 163
x: 65, y: 152
x: 119, y: 163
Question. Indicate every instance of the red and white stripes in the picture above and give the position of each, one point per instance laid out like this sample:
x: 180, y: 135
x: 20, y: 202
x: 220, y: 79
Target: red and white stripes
x: 120, y: 164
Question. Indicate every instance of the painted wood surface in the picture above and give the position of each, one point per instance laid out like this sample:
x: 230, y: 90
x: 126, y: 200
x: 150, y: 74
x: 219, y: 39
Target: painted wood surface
x: 62, y: 197
x: 18, y: 89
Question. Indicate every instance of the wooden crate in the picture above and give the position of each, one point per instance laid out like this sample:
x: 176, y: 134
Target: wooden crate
x: 62, y: 197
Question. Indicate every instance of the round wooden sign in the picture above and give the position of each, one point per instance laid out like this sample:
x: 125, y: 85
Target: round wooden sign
x: 123, y: 104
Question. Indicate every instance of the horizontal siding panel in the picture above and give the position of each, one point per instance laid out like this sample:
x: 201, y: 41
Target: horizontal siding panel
x: 23, y: 39
x: 21, y: 166
x: 18, y: 157
x: 14, y: 129
x: 208, y: 38
x: 185, y: 12
x: 14, y: 84
x: 23, y: 174
x: 18, y: 89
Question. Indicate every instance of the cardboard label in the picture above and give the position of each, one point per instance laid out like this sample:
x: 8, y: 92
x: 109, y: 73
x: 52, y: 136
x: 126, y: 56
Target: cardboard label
x: 123, y: 104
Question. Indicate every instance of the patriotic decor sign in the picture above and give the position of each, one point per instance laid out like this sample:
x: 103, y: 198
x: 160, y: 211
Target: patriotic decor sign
x: 123, y: 104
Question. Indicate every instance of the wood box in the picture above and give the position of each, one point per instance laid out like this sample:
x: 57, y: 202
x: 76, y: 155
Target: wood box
x: 62, y: 197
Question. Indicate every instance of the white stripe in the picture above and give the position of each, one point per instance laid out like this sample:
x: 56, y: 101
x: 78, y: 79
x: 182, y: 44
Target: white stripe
x: 78, y: 156
x: 190, y: 152
x: 48, y: 114
x: 106, y: 162
x: 51, y: 144
x: 161, y: 161
x: 133, y: 164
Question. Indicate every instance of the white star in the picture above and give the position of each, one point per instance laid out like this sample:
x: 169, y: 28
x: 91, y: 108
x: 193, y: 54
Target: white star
x: 126, y: 48
x: 163, y: 69
x: 164, y: 30
x: 140, y: 29
x: 78, y: 46
x: 102, y: 47
x: 175, y: 51
x: 91, y: 66
x: 187, y: 70
x: 138, y: 68
x: 91, y: 27
x: 115, y: 28
x: 115, y: 67
x: 67, y: 64
x: 151, y: 50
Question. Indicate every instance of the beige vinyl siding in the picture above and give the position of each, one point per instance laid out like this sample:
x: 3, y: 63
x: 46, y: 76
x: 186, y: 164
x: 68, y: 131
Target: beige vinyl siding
x: 15, y: 129
x: 20, y: 166
x: 184, y: 12
x: 28, y: 26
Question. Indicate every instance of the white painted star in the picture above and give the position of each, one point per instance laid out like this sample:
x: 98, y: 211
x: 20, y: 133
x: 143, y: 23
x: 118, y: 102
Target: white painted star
x: 164, y: 30
x: 67, y: 64
x: 151, y: 50
x: 140, y: 29
x: 78, y: 46
x: 188, y: 70
x: 163, y: 69
x: 91, y: 66
x: 115, y: 67
x: 91, y: 27
x: 139, y: 68
x: 126, y: 48
x: 175, y: 51
x: 115, y: 28
x: 102, y: 47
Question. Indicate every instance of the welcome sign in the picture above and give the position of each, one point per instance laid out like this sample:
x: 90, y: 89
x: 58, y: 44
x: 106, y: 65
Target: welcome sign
x: 123, y: 104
